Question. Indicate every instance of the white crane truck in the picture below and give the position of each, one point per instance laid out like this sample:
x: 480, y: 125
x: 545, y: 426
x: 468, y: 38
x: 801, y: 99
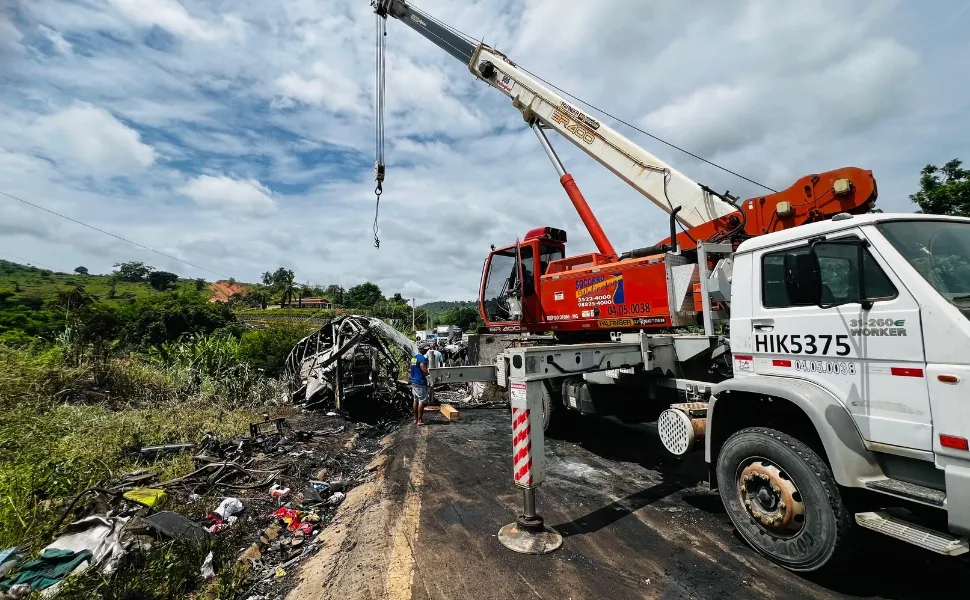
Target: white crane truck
x: 836, y: 399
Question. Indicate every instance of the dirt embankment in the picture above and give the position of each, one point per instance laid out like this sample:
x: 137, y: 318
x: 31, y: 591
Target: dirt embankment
x: 223, y: 290
x: 367, y: 552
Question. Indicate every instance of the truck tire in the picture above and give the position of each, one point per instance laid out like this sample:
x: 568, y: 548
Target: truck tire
x: 556, y: 419
x: 783, y: 499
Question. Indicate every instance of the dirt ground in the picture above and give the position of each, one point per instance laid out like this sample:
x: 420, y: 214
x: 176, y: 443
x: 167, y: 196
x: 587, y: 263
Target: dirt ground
x: 637, y: 523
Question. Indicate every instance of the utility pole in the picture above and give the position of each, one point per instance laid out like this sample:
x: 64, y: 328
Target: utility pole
x: 413, y: 309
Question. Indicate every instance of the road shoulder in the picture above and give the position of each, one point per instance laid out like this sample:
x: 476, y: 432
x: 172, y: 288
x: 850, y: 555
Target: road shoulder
x: 366, y: 551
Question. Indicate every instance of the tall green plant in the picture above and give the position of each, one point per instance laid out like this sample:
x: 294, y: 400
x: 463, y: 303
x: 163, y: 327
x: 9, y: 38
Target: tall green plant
x: 210, y: 354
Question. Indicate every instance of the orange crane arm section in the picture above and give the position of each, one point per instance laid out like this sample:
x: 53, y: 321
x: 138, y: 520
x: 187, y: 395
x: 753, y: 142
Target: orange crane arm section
x: 812, y: 198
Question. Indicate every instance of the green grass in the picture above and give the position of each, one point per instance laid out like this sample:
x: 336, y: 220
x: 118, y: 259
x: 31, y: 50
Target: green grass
x: 45, y: 284
x: 67, y: 425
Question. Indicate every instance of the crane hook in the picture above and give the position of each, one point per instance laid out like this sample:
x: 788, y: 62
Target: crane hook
x: 379, y: 176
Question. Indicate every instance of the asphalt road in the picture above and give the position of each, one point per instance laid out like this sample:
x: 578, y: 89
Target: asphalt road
x: 637, y: 523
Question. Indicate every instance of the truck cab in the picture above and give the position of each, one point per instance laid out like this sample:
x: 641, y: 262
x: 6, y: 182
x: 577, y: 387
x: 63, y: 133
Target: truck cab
x: 862, y: 323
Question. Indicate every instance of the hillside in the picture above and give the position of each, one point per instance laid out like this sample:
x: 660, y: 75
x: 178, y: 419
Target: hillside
x: 26, y: 294
x: 45, y: 284
x: 448, y: 304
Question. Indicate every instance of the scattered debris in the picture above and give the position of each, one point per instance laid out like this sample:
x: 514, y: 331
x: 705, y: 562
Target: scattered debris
x: 229, y: 507
x: 149, y: 497
x: 207, y: 571
x: 48, y: 570
x: 151, y: 452
x: 177, y: 527
x: 267, y: 494
x: 258, y: 430
x: 279, y: 492
x: 449, y: 412
x: 10, y: 559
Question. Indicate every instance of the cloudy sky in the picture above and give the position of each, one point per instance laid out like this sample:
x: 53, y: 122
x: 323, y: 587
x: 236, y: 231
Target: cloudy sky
x: 237, y: 135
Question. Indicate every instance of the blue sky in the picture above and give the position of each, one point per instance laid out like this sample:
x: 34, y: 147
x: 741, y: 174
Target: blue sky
x: 238, y: 135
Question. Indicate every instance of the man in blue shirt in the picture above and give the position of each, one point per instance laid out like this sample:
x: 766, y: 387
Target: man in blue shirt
x: 419, y: 382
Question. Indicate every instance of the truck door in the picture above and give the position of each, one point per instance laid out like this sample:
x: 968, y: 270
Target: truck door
x: 530, y: 281
x: 855, y: 332
x: 499, y: 296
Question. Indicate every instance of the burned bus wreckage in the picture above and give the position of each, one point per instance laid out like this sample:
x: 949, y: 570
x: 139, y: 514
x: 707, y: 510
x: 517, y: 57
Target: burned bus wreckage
x: 352, y: 363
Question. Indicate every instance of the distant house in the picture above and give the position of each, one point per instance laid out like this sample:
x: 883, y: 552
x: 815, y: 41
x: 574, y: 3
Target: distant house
x: 321, y: 303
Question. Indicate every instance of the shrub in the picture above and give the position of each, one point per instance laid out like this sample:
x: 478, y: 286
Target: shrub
x: 267, y: 349
x: 210, y: 354
x: 155, y: 320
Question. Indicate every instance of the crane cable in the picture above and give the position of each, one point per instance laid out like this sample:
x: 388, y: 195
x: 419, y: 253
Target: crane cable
x: 606, y: 114
x: 379, y: 167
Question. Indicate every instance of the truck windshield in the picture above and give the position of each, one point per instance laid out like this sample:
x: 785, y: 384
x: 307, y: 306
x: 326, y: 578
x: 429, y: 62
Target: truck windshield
x: 502, y: 276
x: 939, y: 251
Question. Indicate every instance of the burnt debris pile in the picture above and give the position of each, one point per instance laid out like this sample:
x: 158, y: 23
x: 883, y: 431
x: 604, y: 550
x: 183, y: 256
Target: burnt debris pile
x: 354, y: 364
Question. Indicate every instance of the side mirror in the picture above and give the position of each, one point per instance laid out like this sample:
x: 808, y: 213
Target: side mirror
x: 841, y: 277
x: 801, y: 279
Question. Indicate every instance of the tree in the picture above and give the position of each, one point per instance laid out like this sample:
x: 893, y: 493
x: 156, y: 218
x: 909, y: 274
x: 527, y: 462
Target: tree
x: 267, y: 278
x: 160, y: 318
x: 305, y: 292
x: 132, y: 271
x: 365, y: 295
x: 386, y: 309
x: 81, y: 270
x: 257, y: 297
x: 944, y: 191
x: 465, y: 317
x: 74, y: 299
x: 399, y: 299
x: 336, y: 294
x: 161, y: 280
x: 199, y: 284
x: 282, y: 280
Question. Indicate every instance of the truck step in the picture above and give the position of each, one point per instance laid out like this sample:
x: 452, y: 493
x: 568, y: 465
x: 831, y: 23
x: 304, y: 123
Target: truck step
x: 917, y: 535
x: 910, y: 491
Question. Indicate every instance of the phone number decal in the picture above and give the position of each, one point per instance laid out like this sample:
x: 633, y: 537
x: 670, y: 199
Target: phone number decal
x: 826, y: 367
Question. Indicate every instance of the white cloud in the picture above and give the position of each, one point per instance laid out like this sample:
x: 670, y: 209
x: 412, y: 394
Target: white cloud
x: 17, y: 219
x: 238, y: 196
x: 172, y: 16
x: 279, y: 96
x: 10, y: 38
x: 91, y: 141
x: 56, y: 39
x: 326, y: 87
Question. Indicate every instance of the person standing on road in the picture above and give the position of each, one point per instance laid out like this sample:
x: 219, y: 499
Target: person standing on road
x: 419, y: 382
x: 435, y: 360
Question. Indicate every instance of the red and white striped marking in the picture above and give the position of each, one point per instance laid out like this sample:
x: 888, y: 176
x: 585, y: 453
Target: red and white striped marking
x: 521, y: 447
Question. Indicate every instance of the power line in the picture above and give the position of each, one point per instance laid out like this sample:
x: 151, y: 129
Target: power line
x: 116, y: 236
x: 29, y: 262
x: 617, y: 119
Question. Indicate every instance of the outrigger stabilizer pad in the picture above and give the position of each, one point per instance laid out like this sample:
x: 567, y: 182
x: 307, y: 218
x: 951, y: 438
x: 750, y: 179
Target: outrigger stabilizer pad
x: 529, y: 535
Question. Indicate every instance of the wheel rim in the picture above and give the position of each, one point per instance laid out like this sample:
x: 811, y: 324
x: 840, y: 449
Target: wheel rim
x: 770, y: 497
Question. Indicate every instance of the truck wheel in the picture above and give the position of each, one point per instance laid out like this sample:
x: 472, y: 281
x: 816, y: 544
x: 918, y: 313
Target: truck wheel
x: 783, y: 499
x: 556, y: 419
